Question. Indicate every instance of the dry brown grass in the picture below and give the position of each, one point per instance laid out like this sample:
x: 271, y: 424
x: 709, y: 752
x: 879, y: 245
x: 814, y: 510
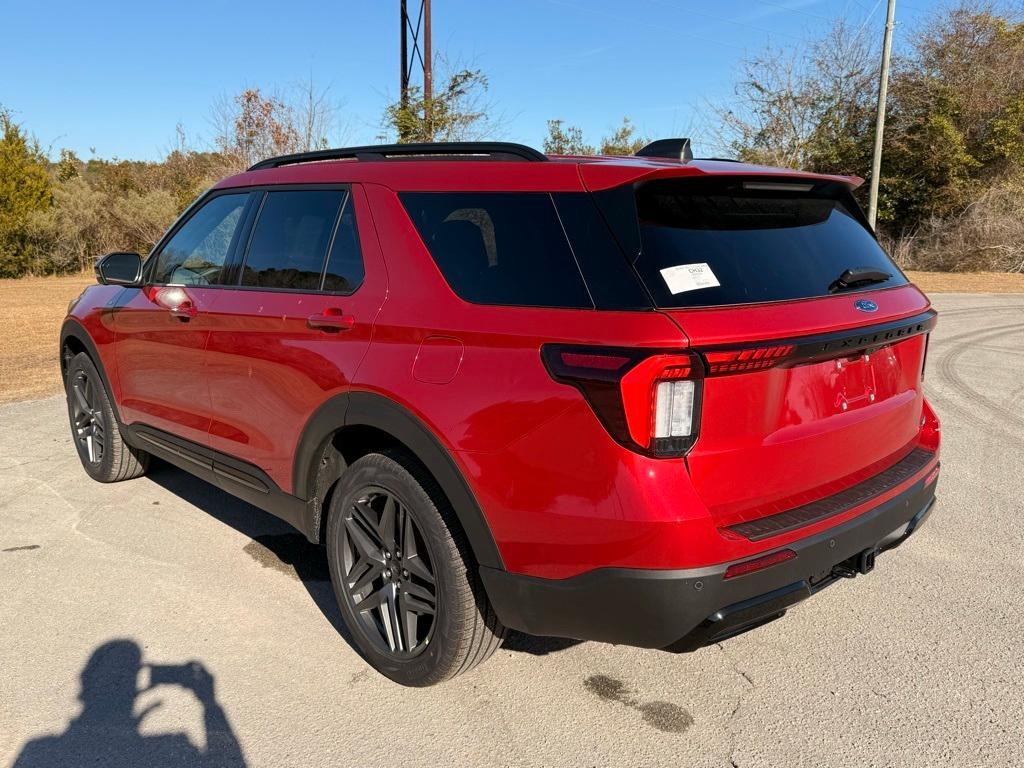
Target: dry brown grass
x: 968, y: 282
x: 32, y: 309
x: 986, y: 236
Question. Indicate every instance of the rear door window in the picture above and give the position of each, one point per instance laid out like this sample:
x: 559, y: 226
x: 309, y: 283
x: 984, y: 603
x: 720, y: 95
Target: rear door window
x: 500, y: 248
x: 729, y: 241
x: 289, y: 242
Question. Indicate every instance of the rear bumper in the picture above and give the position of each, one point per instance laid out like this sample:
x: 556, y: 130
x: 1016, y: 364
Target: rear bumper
x: 683, y: 610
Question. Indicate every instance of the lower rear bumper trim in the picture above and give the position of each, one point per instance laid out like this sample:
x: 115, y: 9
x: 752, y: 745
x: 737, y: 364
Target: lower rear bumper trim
x: 682, y: 610
x: 844, y: 501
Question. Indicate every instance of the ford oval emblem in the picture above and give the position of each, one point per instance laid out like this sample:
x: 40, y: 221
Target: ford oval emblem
x: 865, y: 305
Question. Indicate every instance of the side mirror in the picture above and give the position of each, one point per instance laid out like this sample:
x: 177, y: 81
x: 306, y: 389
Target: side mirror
x: 119, y: 268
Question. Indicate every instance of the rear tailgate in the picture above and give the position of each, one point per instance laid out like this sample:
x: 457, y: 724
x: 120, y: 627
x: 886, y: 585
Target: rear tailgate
x: 813, y: 340
x: 842, y: 406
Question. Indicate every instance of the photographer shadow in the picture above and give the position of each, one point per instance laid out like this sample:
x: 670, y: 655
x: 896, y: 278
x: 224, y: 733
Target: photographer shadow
x: 107, y: 730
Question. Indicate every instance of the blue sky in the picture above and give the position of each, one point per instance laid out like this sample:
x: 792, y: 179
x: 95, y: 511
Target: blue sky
x: 116, y: 77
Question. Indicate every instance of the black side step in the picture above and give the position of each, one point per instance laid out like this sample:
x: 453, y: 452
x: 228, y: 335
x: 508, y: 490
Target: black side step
x: 239, y: 478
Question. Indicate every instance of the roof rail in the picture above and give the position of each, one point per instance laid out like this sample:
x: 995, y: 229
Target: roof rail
x: 676, y: 149
x: 489, y: 150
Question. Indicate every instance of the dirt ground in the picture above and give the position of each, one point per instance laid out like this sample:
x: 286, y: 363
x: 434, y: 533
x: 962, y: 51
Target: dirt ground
x: 31, y: 311
x: 968, y: 282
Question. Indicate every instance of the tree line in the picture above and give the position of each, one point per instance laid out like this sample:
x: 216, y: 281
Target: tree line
x: 951, y: 187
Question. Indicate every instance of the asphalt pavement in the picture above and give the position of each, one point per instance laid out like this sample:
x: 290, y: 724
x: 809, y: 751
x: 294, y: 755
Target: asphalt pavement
x: 918, y: 663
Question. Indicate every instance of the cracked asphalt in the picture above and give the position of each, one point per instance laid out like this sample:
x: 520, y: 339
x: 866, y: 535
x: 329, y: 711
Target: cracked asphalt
x: 918, y: 663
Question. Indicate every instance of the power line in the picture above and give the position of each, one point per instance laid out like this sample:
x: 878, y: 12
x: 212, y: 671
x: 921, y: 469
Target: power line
x: 868, y: 18
x: 801, y: 11
x: 724, y: 19
x: 640, y: 23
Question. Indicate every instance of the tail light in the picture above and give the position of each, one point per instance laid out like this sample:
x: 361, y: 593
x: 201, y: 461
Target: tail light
x: 746, y: 359
x: 647, y: 400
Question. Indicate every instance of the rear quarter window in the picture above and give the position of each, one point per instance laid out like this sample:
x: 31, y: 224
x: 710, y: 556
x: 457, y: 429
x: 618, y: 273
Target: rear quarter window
x: 499, y: 248
x: 760, y: 241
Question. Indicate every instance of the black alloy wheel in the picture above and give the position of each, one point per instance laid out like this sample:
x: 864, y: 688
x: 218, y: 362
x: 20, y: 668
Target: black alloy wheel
x: 403, y: 573
x: 87, y: 420
x: 105, y: 455
x: 388, y: 574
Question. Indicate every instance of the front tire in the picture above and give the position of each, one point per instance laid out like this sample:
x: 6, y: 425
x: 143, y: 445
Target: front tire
x: 104, y: 454
x: 403, y: 573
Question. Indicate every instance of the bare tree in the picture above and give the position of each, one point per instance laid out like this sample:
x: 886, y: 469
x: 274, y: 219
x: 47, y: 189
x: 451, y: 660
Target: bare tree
x: 788, y: 106
x: 253, y: 126
x: 317, y: 115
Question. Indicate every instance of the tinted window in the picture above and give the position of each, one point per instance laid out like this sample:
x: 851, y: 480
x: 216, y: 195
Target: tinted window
x: 290, y: 240
x: 612, y: 282
x: 345, y: 264
x: 195, y: 255
x: 757, y: 244
x: 499, y: 248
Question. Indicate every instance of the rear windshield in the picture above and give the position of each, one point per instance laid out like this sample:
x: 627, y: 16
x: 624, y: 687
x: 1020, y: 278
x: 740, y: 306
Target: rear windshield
x: 729, y: 241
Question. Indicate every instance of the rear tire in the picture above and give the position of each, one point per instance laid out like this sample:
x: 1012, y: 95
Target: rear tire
x: 104, y: 454
x: 403, y: 573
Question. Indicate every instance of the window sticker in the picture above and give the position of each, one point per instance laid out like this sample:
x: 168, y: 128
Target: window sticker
x: 689, y: 277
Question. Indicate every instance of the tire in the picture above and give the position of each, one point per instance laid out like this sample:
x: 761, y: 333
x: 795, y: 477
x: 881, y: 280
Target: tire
x: 364, y: 552
x: 104, y: 454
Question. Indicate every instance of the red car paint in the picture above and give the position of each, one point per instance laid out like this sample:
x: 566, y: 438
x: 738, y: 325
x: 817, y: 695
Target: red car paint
x: 245, y: 372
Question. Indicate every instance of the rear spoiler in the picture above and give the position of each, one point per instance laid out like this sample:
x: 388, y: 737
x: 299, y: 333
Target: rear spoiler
x: 599, y: 176
x: 681, y: 149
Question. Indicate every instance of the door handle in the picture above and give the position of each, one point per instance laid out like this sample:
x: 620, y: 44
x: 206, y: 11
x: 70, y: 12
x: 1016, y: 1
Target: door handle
x: 331, y: 321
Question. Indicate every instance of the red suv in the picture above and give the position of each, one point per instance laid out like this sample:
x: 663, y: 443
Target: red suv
x: 645, y: 400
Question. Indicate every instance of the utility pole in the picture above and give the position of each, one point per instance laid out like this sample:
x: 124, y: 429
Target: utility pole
x: 428, y: 64
x: 883, y: 89
x: 403, y: 36
x: 415, y: 29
